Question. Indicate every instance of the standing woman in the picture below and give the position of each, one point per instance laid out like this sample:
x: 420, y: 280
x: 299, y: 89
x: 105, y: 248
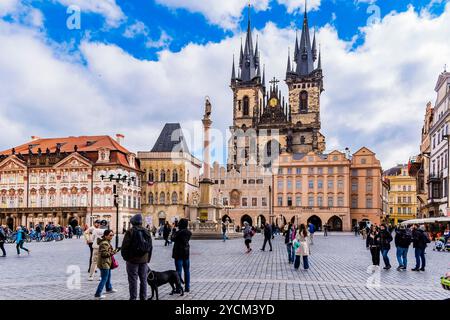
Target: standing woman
x: 301, y: 247
x: 180, y: 252
x: 166, y: 233
x: 104, y: 262
x: 20, y: 239
x: 288, y: 242
x: 248, y: 234
x: 373, y: 243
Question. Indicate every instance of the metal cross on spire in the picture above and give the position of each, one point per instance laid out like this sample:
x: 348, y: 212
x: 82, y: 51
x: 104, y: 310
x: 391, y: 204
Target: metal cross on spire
x: 274, y: 81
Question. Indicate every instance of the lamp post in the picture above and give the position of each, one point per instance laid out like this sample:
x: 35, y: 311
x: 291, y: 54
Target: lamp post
x: 118, y: 177
x: 447, y: 137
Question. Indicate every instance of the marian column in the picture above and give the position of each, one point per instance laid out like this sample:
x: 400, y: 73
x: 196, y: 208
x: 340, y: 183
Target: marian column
x: 206, y: 139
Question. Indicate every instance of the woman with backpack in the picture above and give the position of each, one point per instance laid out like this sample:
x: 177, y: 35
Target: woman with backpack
x: 248, y: 234
x: 290, y: 232
x: 105, y: 263
x: 180, y: 252
x: 385, y: 245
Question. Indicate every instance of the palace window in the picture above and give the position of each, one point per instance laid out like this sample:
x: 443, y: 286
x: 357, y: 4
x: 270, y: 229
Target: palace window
x: 320, y: 184
x: 289, y: 201
x: 135, y: 202
x: 310, y: 184
x: 52, y: 200
x: 369, y: 185
x: 151, y: 176
x: 225, y: 201
x: 298, y: 201
x: 289, y: 184
x: 162, y: 198
x: 354, y: 185
x: 298, y: 185
x: 254, y: 202
x: 264, y: 202
x: 330, y: 170
x: 369, y: 202
x: 280, y: 184
x: 74, y: 200
x: 83, y: 200
x: 340, y: 201
x: 330, y: 201
x: 244, y: 202
x: 162, y: 177
x: 311, y: 201
x: 150, y: 198
x: 298, y: 170
x: 330, y: 184
x: 174, y: 176
x: 280, y: 201
x: 354, y: 201
x: 174, y: 198
x: 340, y: 184
x: 129, y: 202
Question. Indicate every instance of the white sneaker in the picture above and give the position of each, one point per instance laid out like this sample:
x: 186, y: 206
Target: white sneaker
x: 101, y: 297
x: 91, y: 279
x: 112, y: 291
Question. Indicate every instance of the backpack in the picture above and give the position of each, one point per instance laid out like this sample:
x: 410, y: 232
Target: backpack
x: 141, y: 243
x: 406, y: 237
x: 426, y: 237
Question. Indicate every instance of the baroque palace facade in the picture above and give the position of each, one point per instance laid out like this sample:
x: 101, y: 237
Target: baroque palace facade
x: 277, y: 169
x: 59, y: 180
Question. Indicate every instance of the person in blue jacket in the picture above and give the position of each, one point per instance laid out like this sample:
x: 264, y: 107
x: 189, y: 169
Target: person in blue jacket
x: 20, y: 239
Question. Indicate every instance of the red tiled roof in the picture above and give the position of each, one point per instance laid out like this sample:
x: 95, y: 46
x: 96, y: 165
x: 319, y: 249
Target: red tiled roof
x: 84, y: 143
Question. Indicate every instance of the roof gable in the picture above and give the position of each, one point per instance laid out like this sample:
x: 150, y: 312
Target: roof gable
x: 75, y: 160
x: 364, y: 152
x: 171, y: 139
x: 12, y: 163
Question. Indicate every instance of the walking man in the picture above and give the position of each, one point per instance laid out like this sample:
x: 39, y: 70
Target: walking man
x: 224, y: 231
x: 137, y: 251
x: 2, y: 241
x: 267, y: 236
x: 20, y: 239
x: 325, y: 230
x: 311, y: 229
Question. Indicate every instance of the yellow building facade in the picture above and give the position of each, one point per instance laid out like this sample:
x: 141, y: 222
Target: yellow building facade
x: 402, y: 194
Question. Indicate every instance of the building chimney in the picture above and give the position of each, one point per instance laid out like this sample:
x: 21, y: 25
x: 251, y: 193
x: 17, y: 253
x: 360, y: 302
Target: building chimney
x: 120, y: 138
x: 34, y: 138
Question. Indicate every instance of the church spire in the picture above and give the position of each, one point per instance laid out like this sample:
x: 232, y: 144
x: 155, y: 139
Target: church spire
x: 314, y: 48
x: 305, y: 60
x: 319, y: 64
x: 264, y: 76
x: 233, y: 72
x: 288, y: 69
x: 250, y: 60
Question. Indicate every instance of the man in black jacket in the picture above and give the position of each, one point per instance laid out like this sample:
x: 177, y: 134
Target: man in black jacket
x: 2, y: 241
x: 180, y: 252
x: 267, y: 236
x: 402, y: 240
x: 137, y: 252
x: 420, y: 240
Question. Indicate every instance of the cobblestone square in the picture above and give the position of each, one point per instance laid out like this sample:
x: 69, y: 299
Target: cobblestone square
x: 338, y: 270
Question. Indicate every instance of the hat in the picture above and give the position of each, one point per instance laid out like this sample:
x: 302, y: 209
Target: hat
x: 246, y: 223
x: 97, y: 221
x: 136, y: 220
x: 104, y: 222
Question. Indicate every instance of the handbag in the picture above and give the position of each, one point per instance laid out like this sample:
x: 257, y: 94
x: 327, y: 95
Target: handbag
x: 114, y: 263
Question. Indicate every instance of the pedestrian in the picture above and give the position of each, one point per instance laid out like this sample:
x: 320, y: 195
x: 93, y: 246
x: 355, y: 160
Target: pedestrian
x: 70, y: 230
x: 274, y: 230
x: 311, y: 229
x: 267, y: 237
x: 373, y: 244
x: 385, y: 245
x: 2, y: 241
x: 224, y: 231
x: 356, y: 229
x: 325, y: 230
x: 447, y: 233
x: 301, y: 247
x: 420, y: 240
x: 166, y: 233
x: 154, y: 231
x: 104, y: 263
x: 38, y: 231
x: 248, y: 234
x: 288, y: 242
x: 96, y: 233
x: 364, y: 233
x: 403, y: 239
x: 137, y: 251
x: 180, y: 252
x: 20, y: 239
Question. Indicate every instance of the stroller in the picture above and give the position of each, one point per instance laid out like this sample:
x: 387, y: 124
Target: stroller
x: 439, y: 244
x: 445, y: 281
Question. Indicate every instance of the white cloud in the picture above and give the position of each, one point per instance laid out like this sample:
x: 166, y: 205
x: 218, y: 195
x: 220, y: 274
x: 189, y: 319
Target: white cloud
x: 374, y: 96
x: 8, y: 6
x: 162, y: 43
x: 223, y: 13
x: 136, y: 29
x: 108, y: 8
x: 299, y: 5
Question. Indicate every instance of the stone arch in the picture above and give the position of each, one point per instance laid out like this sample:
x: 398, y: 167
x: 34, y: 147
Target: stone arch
x: 247, y: 218
x: 316, y: 221
x: 261, y: 220
x: 335, y: 223
x: 280, y: 221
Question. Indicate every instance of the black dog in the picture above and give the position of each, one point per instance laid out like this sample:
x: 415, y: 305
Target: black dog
x: 157, y: 279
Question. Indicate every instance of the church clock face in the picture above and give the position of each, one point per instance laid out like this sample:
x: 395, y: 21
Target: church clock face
x: 273, y: 102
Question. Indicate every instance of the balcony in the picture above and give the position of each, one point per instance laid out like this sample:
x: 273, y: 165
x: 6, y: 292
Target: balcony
x: 435, y: 177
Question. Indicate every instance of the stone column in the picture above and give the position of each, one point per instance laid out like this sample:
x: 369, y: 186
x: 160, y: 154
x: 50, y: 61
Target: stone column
x: 206, y: 146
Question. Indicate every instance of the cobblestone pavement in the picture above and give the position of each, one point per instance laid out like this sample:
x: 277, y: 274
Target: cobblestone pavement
x: 338, y: 270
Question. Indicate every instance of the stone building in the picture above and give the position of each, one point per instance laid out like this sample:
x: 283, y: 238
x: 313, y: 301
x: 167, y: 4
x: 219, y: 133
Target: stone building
x: 438, y: 186
x: 328, y: 188
x: 419, y: 167
x: 59, y: 180
x: 402, y: 195
x: 171, y: 177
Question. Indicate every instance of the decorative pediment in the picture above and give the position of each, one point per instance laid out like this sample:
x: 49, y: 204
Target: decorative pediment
x: 74, y: 161
x: 12, y: 163
x: 363, y: 152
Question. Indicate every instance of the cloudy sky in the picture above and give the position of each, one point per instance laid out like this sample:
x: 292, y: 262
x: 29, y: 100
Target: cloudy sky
x: 130, y: 66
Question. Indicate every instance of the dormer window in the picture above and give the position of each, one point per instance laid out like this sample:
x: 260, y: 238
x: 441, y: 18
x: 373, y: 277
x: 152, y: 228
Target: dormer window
x: 131, y: 160
x: 103, y: 155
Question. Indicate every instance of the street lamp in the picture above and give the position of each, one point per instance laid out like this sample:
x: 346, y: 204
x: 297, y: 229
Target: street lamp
x: 118, y: 177
x: 447, y: 137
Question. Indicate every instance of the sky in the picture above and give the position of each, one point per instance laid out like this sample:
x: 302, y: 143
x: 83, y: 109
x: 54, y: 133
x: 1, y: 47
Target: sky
x: 90, y: 67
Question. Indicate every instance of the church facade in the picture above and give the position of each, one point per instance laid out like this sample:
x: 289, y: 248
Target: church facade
x: 277, y: 169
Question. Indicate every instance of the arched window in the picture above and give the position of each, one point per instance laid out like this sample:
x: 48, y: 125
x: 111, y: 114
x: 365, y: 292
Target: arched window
x: 150, y: 198
x: 174, y: 198
x: 162, y: 198
x: 246, y: 106
x: 163, y: 176
x: 303, y: 101
x: 175, y: 176
x: 151, y: 176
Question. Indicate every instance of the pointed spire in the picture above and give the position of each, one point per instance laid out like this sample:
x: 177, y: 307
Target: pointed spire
x: 241, y: 56
x: 264, y: 76
x: 288, y: 69
x: 296, y: 53
x: 319, y: 64
x: 233, y: 72
x: 314, y: 48
x: 250, y: 59
x: 305, y: 61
